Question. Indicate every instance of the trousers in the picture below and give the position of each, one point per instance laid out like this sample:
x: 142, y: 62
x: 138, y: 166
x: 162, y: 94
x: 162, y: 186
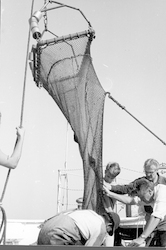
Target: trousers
x: 60, y: 230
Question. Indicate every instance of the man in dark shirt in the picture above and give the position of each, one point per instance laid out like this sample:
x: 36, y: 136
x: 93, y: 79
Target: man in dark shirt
x: 148, y: 193
x: 151, y: 167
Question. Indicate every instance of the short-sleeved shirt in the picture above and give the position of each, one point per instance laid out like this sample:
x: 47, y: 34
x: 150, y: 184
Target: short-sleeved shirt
x: 77, y: 227
x: 108, y: 201
x: 91, y: 225
x: 158, y: 205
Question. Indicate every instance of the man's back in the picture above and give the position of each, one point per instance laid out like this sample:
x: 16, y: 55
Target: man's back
x: 88, y: 221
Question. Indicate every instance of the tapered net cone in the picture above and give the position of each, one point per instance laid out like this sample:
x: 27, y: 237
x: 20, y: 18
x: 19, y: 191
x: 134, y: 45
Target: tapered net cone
x: 64, y: 68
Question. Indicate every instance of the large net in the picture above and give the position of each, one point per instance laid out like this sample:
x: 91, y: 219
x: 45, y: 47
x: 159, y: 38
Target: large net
x: 63, y: 66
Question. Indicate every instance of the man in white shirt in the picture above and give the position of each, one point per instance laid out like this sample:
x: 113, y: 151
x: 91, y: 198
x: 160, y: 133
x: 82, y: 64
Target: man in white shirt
x: 79, y: 227
x: 155, y: 196
x: 110, y: 172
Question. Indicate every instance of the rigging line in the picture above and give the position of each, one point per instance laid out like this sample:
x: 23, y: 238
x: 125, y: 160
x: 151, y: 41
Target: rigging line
x: 72, y: 169
x: 68, y: 6
x: 0, y: 18
x: 132, y: 170
x: 122, y: 107
x: 3, y: 226
x: 23, y: 98
x: 45, y: 16
x: 25, y: 73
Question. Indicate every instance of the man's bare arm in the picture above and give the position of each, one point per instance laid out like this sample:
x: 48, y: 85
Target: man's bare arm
x: 149, y: 228
x: 120, y: 197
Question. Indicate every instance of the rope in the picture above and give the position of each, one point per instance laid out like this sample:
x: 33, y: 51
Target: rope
x: 23, y: 98
x: 45, y: 16
x: 0, y: 18
x: 71, y: 189
x: 25, y: 74
x: 68, y: 6
x: 132, y: 170
x: 70, y: 169
x: 3, y: 226
x: 3, y: 222
x: 122, y: 107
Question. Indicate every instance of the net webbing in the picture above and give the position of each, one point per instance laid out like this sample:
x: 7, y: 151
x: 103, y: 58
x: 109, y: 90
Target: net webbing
x: 66, y: 71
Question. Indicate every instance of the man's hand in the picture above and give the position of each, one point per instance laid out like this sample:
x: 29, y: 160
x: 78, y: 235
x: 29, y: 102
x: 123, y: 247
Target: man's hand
x: 136, y: 243
x: 20, y: 131
x: 106, y: 190
x: 107, y: 185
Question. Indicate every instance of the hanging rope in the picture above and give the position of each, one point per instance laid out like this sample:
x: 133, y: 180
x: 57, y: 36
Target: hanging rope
x: 122, y: 107
x: 3, y: 226
x: 4, y: 221
x: 0, y: 18
x: 23, y: 98
x: 45, y: 17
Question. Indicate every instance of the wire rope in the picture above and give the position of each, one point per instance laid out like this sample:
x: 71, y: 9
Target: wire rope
x: 0, y: 18
x: 122, y: 107
x: 4, y: 220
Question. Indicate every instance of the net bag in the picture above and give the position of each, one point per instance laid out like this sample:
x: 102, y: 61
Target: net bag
x: 63, y: 66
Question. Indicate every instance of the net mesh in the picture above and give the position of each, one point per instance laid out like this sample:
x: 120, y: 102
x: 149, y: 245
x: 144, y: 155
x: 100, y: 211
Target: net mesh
x: 66, y: 71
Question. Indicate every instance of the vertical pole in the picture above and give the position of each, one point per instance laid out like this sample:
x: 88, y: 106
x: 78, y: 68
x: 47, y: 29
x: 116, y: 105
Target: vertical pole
x: 66, y: 191
x: 65, y: 165
x: 116, y: 204
x: 58, y: 191
x: 66, y: 151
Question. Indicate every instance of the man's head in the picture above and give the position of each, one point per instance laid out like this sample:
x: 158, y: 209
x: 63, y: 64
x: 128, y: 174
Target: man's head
x: 111, y: 171
x: 151, y: 167
x: 145, y: 190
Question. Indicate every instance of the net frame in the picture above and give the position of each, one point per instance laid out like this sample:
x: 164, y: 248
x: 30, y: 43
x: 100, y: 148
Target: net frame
x: 36, y: 50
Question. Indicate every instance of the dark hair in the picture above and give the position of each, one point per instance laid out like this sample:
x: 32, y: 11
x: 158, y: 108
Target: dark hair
x: 143, y: 183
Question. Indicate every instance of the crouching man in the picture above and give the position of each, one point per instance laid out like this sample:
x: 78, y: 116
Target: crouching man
x: 148, y: 193
x: 79, y: 227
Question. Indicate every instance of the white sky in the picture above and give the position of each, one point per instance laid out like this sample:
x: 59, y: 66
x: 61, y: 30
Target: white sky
x: 129, y: 56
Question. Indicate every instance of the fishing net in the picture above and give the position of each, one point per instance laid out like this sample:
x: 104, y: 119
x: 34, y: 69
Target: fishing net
x: 63, y: 66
